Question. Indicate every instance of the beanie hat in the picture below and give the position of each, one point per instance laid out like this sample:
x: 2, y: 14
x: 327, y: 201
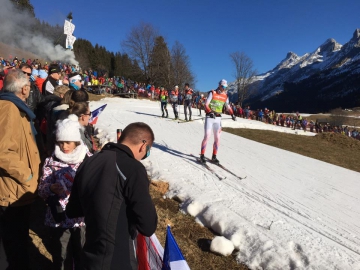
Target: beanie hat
x: 68, y: 130
x: 73, y: 77
x: 42, y: 74
x: 35, y: 72
x: 54, y: 69
x: 223, y: 82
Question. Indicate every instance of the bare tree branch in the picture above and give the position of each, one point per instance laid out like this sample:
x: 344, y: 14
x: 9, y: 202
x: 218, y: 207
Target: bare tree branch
x: 139, y: 45
x: 244, y: 74
x: 181, y: 66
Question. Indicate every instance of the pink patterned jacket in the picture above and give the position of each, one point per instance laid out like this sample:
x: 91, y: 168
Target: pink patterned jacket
x: 56, y: 171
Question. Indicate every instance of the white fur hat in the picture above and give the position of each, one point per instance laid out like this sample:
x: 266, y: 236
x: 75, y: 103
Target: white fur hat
x: 68, y: 130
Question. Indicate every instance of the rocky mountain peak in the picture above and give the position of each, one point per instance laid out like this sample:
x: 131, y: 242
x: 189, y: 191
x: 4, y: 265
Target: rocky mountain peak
x: 356, y: 34
x: 329, y: 46
x: 291, y: 55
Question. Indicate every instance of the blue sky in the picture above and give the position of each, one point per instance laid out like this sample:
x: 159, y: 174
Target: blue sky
x: 210, y: 30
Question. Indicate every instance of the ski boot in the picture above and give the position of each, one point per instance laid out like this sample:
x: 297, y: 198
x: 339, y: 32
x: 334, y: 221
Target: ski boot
x: 163, y: 115
x: 190, y: 118
x: 215, y: 160
x: 202, y: 159
x: 186, y: 119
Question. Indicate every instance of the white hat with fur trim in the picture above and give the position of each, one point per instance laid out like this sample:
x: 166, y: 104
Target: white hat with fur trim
x: 68, y: 130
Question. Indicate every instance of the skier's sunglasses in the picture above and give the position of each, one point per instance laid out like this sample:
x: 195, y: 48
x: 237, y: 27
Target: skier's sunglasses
x: 147, y: 150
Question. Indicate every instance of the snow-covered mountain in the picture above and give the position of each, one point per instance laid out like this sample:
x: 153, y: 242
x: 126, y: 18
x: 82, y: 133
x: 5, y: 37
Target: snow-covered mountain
x: 328, y: 61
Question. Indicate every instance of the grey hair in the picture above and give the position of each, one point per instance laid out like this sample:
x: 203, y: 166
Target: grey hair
x: 14, y: 81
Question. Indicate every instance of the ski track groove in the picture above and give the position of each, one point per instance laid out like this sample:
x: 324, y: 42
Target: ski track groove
x: 332, y: 237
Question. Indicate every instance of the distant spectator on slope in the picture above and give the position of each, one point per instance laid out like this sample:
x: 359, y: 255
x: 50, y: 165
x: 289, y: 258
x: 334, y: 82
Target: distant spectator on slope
x: 261, y: 115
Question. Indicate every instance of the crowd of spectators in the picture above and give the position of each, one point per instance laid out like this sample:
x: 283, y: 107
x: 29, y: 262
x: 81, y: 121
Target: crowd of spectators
x: 293, y: 121
x: 45, y: 117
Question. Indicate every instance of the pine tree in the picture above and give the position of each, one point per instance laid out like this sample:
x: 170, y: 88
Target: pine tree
x: 24, y: 5
x: 160, y: 63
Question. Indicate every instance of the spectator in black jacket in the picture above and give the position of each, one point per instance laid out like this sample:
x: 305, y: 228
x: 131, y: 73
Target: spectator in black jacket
x: 111, y: 190
x: 52, y: 80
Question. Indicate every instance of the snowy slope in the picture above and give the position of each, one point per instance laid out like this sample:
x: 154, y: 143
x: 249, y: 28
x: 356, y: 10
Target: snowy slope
x: 291, y: 212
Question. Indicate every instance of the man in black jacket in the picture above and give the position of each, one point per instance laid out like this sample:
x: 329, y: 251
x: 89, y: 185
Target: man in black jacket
x: 52, y: 80
x: 111, y: 190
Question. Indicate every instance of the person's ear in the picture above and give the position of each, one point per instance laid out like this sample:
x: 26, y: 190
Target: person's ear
x: 143, y: 148
x: 24, y: 89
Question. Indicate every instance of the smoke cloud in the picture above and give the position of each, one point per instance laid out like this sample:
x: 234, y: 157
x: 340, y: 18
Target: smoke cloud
x: 16, y: 30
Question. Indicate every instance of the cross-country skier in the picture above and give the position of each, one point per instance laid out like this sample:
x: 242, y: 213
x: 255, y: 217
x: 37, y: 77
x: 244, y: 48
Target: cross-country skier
x: 188, y: 95
x: 213, y: 107
x: 174, y: 101
x: 164, y: 100
x: 201, y: 103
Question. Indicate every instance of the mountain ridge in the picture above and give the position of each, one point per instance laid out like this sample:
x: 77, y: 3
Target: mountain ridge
x: 328, y: 67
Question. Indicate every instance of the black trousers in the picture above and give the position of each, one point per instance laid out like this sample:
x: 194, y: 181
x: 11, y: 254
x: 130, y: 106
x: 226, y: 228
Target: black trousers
x: 187, y: 105
x: 14, y: 237
x: 66, y: 247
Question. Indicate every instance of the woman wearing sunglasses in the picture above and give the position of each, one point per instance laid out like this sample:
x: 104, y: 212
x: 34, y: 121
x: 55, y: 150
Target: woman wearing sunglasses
x: 82, y: 111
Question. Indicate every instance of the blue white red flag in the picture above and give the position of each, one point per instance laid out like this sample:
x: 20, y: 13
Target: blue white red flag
x: 173, y: 258
x: 95, y: 114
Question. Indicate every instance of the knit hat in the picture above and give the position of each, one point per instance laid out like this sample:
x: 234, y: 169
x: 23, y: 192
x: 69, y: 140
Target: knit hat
x: 73, y: 77
x: 42, y: 74
x: 54, y: 68
x: 35, y: 72
x: 223, y: 82
x: 68, y: 130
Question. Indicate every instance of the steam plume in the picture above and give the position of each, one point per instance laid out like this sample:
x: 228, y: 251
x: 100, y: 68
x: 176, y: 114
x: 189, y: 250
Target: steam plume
x: 15, y: 30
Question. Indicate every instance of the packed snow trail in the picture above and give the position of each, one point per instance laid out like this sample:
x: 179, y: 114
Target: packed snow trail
x: 291, y: 212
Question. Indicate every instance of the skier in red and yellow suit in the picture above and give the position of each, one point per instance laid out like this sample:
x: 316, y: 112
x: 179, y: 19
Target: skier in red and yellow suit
x: 213, y: 108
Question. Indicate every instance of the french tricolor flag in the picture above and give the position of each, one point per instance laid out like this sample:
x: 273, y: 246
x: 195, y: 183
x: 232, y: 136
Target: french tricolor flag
x: 95, y: 114
x: 173, y: 258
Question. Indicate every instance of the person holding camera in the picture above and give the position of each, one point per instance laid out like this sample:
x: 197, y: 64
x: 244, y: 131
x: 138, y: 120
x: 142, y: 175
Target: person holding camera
x: 214, y: 104
x: 55, y: 188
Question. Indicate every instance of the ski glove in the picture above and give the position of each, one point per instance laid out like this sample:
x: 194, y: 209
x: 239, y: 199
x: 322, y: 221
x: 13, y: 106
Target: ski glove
x: 233, y: 117
x: 212, y: 115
